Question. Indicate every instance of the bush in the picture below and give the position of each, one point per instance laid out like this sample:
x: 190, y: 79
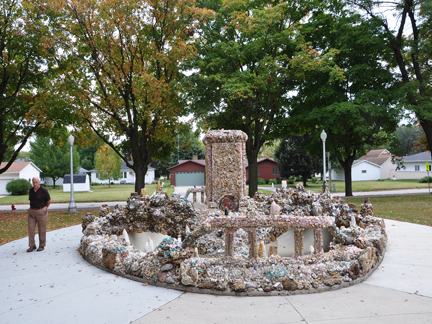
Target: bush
x: 274, y: 181
x: 425, y: 180
x: 380, y: 180
x: 314, y: 180
x: 18, y: 187
x: 278, y: 179
x: 291, y: 181
x: 261, y: 181
x: 94, y: 184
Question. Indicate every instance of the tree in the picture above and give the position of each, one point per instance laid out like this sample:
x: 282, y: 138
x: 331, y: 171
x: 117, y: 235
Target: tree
x: 53, y: 157
x: 251, y: 55
x: 27, y: 78
x: 295, y: 161
x: 405, y: 139
x: 411, y: 54
x: 359, y: 111
x: 108, y: 164
x: 122, y: 63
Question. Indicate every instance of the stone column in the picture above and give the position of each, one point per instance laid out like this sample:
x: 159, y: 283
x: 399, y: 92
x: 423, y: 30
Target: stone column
x: 298, y: 242
x: 229, y: 241
x: 202, y: 197
x: 253, y: 247
x: 318, y: 240
x: 194, y: 197
x: 225, y: 164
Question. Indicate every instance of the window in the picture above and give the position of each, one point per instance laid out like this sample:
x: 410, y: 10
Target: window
x: 259, y: 171
x: 124, y: 175
x: 97, y: 175
x: 275, y: 171
x: 417, y: 167
x: 364, y: 171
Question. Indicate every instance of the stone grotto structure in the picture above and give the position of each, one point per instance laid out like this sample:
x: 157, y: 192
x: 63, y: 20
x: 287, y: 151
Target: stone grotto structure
x: 230, y: 245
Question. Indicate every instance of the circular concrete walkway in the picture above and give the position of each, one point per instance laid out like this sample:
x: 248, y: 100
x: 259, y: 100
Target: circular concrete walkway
x: 58, y: 286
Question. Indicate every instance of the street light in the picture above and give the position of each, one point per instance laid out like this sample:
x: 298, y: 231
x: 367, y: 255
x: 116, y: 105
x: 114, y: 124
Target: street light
x: 72, y: 205
x: 324, y: 137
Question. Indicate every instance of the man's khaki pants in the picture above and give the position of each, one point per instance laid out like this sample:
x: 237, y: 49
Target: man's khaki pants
x: 39, y: 216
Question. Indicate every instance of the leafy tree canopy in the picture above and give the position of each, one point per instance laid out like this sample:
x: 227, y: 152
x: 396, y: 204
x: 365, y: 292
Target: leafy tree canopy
x: 122, y: 65
x: 294, y: 161
x: 53, y: 157
x: 108, y: 164
x: 358, y: 111
x: 251, y: 55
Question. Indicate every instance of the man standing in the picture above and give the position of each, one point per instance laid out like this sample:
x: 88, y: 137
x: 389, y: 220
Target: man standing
x: 38, y: 213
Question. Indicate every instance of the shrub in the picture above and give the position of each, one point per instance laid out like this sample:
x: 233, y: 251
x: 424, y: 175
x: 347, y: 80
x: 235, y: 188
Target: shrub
x: 18, y: 187
x: 278, y: 179
x: 94, y: 184
x: 274, y: 181
x: 261, y: 181
x: 425, y: 180
x: 380, y: 180
x: 314, y: 180
x: 291, y: 181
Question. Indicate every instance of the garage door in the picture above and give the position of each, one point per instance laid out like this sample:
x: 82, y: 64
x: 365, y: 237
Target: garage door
x: 189, y: 178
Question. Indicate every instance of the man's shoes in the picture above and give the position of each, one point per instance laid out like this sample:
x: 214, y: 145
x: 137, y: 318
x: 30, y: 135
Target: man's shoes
x: 31, y: 249
x: 40, y: 248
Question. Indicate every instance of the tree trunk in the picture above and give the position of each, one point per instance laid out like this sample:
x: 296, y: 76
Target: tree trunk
x: 140, y: 172
x: 54, y: 181
x: 347, y: 166
x: 253, y: 176
x: 427, y: 127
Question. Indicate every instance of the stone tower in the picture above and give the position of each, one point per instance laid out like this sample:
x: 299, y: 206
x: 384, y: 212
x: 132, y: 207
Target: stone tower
x: 225, y: 164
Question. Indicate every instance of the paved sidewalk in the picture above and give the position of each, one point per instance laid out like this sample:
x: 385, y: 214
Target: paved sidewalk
x: 58, y: 286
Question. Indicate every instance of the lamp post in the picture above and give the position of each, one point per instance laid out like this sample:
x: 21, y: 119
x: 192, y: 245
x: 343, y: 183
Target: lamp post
x: 324, y: 137
x: 72, y: 205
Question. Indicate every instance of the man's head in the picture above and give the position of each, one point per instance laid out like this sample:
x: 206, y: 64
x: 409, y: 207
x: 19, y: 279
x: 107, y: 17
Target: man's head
x: 36, y: 183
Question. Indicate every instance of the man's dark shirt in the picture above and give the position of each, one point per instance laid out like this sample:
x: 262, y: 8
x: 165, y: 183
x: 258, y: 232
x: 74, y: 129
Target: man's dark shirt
x: 39, y: 198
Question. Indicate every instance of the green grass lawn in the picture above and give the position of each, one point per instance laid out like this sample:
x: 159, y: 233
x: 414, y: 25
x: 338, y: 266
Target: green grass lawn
x: 97, y: 194
x: 414, y: 208
x: 367, y: 185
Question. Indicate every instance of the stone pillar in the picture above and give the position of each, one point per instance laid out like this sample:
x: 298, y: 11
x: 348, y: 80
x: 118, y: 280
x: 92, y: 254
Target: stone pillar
x: 194, y: 197
x: 225, y: 164
x: 229, y: 241
x: 318, y: 241
x: 253, y: 247
x: 202, y: 197
x: 298, y: 242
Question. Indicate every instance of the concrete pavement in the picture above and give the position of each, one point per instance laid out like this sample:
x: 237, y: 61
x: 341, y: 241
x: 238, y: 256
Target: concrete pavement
x: 58, y: 286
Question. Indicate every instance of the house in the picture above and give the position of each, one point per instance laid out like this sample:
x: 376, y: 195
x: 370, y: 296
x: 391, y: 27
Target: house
x: 267, y: 169
x: 192, y: 172
x: 128, y: 176
x: 415, y: 167
x: 49, y: 181
x: 81, y: 182
x: 17, y: 170
x: 376, y: 164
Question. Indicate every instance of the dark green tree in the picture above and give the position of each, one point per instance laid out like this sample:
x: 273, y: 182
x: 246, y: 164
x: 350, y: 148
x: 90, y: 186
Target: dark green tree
x: 359, y: 111
x: 411, y: 47
x: 294, y: 161
x: 251, y: 55
x: 53, y: 157
x: 403, y: 141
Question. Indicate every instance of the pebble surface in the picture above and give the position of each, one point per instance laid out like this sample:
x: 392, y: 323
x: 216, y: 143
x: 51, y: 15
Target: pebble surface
x: 194, y: 254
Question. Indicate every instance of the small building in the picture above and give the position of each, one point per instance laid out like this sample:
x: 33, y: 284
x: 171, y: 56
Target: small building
x: 192, y: 172
x: 81, y: 183
x: 267, y: 169
x: 49, y: 181
x: 17, y: 170
x: 375, y: 165
x: 415, y: 166
x: 127, y: 176
x: 188, y: 173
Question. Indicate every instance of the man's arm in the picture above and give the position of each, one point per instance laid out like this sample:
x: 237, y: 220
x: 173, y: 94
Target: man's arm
x: 48, y: 203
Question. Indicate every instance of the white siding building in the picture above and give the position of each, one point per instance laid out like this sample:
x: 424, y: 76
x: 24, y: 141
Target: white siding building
x: 415, y: 166
x: 128, y: 176
x: 17, y: 170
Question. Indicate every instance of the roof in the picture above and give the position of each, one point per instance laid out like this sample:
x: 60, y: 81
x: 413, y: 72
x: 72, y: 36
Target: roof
x: 202, y: 162
x: 419, y: 157
x: 77, y: 178
x: 17, y: 167
x: 378, y: 157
